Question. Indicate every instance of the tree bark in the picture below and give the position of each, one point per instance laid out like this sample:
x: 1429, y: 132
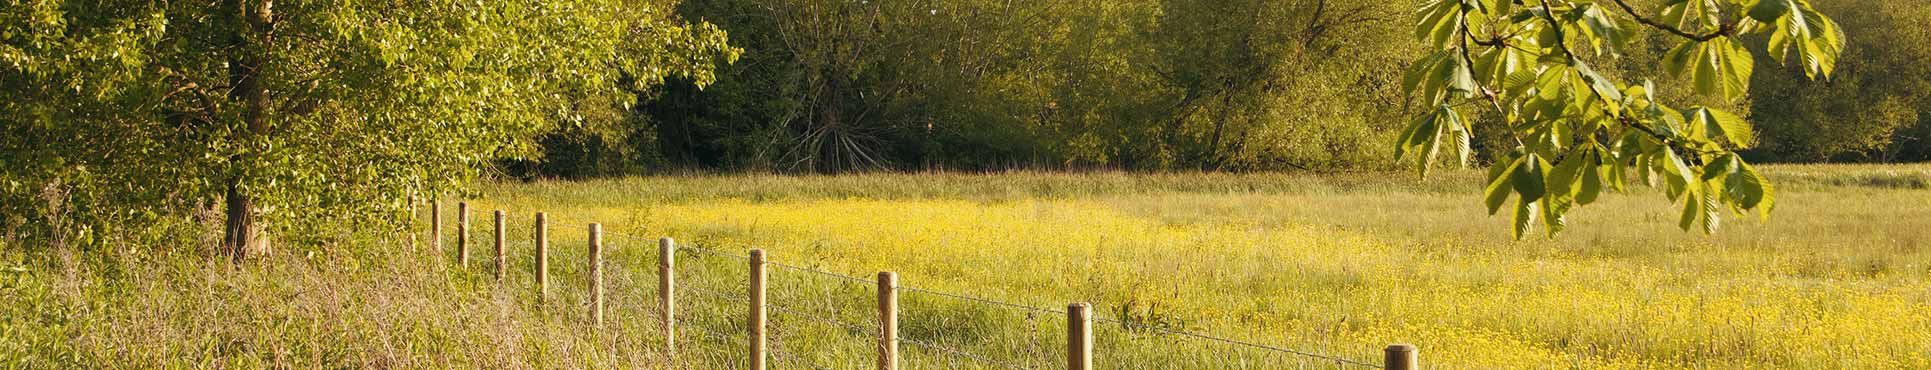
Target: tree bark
x: 240, y: 231
x: 252, y: 21
x: 830, y: 118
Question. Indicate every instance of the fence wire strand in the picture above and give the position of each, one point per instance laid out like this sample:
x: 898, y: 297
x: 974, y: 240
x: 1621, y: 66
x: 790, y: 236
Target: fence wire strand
x: 824, y: 320
x: 982, y: 300
x: 713, y: 293
x: 834, y: 275
x: 961, y: 353
x: 705, y: 269
x: 712, y: 334
x: 1161, y: 330
x: 683, y: 246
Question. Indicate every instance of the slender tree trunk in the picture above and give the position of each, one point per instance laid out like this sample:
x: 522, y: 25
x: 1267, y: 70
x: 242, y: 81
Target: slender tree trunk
x: 240, y: 231
x: 1213, y: 161
x: 830, y: 118
x: 245, y: 69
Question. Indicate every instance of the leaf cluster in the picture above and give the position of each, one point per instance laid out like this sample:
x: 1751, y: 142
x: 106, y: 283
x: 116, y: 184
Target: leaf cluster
x: 1579, y: 132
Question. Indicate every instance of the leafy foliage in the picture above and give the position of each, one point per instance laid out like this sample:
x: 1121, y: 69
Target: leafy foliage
x: 1876, y: 107
x: 307, y: 113
x: 835, y: 86
x: 1579, y: 131
x: 1165, y: 84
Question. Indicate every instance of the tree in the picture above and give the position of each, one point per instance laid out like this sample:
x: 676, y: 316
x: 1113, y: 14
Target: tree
x: 1579, y: 131
x: 834, y: 86
x: 301, y: 112
x: 1271, y: 84
x: 1866, y: 112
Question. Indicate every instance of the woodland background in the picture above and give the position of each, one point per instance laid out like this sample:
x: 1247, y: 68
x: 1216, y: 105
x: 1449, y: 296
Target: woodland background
x: 1240, y: 85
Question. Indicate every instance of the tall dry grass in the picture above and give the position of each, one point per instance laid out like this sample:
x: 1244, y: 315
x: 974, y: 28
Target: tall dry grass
x: 1337, y: 264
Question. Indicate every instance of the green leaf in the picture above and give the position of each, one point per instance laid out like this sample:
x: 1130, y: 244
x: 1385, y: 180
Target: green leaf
x: 1603, y: 29
x: 1692, y: 208
x: 1824, y: 49
x: 1528, y: 178
x: 1432, y: 145
x: 1424, y: 137
x: 1717, y: 123
x: 1679, y: 59
x: 1675, y: 172
x: 1599, y: 84
x: 1554, y: 215
x: 1496, y: 65
x: 1416, y: 78
x: 1462, y: 79
x: 1498, y: 190
x: 1463, y: 141
x: 1707, y: 64
x: 1768, y: 11
x: 1676, y: 11
x: 1737, y: 67
x: 1818, y: 40
x: 1711, y: 206
x: 1405, y: 143
x: 1520, y: 81
x: 1547, y: 37
x: 1566, y: 180
x: 1439, y: 22
x: 1779, y: 43
x: 1757, y: 193
x: 1525, y: 211
x: 1721, y: 167
x: 1592, y: 183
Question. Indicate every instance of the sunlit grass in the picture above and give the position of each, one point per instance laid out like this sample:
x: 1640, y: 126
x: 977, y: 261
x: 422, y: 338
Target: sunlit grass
x: 1339, y: 264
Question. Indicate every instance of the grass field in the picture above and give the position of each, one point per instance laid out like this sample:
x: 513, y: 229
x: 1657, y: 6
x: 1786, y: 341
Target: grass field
x: 1344, y: 264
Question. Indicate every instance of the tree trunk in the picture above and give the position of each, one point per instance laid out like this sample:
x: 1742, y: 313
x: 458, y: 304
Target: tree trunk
x: 245, y: 62
x: 830, y: 119
x: 241, y: 227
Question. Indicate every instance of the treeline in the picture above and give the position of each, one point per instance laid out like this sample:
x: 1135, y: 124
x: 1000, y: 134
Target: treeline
x: 832, y: 86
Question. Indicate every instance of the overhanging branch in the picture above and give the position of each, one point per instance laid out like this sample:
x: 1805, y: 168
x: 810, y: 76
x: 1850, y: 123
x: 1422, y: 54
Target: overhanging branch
x: 1722, y: 30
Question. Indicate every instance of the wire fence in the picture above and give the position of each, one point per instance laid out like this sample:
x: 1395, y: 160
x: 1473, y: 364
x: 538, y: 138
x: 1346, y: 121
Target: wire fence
x: 937, y: 324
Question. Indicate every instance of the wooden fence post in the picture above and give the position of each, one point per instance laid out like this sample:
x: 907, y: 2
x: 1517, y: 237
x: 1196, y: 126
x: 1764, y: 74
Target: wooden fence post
x: 462, y: 234
x: 667, y: 297
x: 596, y: 274
x: 542, y: 258
x: 757, y: 310
x: 436, y: 225
x: 887, y: 321
x: 1401, y: 357
x: 500, y: 261
x: 1079, y: 337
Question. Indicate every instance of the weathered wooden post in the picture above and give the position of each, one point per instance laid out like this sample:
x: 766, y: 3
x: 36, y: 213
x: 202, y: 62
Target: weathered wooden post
x: 542, y: 258
x: 500, y: 261
x: 757, y: 310
x: 1401, y: 357
x: 596, y: 274
x: 887, y: 321
x: 436, y: 226
x: 462, y: 234
x: 1079, y: 337
x: 667, y: 297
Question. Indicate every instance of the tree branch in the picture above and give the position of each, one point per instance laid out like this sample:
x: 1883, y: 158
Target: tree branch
x: 1562, y: 44
x: 1722, y: 29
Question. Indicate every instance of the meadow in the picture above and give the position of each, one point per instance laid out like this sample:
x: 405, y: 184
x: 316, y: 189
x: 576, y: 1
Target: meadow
x: 1334, y: 264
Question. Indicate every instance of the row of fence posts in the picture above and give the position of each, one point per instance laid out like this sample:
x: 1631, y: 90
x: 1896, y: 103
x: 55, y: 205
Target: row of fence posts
x: 1079, y: 316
